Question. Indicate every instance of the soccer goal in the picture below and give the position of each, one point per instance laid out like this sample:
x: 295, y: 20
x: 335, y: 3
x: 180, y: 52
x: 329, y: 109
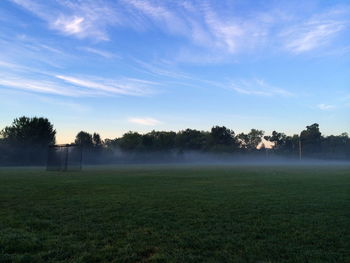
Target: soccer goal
x: 64, y: 157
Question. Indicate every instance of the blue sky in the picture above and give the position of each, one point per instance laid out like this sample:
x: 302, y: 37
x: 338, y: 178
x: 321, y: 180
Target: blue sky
x: 115, y: 66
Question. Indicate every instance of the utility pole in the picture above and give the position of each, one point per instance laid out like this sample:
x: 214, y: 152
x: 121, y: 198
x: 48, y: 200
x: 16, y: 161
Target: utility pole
x: 66, y: 159
x: 300, y: 148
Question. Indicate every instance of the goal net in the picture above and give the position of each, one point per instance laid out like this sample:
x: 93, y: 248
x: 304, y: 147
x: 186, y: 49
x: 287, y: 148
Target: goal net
x: 66, y: 157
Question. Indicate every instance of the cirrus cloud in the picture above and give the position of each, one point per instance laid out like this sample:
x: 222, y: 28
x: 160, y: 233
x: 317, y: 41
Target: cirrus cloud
x: 325, y: 106
x: 144, y: 121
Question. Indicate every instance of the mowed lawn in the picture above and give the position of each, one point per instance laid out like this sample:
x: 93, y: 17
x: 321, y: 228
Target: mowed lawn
x: 176, y: 214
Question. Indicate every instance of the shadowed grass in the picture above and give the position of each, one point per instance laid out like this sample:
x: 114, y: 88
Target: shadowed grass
x: 176, y: 214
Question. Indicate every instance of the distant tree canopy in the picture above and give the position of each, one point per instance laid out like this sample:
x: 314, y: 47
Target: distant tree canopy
x: 251, y: 140
x: 84, y: 139
x: 277, y: 138
x: 190, y: 139
x: 88, y: 141
x: 311, y: 139
x: 96, y: 140
x: 26, y: 141
x: 29, y: 131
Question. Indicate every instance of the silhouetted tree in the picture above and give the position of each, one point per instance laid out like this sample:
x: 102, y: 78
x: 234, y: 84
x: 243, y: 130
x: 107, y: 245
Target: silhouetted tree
x: 130, y: 141
x: 192, y: 140
x: 311, y: 140
x: 336, y: 147
x: 284, y: 145
x: 84, y: 139
x: 96, y: 140
x: 26, y: 140
x: 251, y: 140
x: 222, y: 139
x: 30, y: 131
x: 278, y: 139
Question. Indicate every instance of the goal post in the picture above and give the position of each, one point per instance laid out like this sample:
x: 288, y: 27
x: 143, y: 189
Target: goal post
x: 64, y: 157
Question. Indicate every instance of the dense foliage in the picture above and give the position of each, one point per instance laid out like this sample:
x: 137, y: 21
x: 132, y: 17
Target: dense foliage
x: 26, y: 140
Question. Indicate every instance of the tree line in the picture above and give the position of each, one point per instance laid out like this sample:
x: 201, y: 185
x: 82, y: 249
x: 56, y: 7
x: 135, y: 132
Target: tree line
x: 26, y: 140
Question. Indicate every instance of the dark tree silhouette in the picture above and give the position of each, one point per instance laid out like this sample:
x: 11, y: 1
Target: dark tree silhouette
x: 96, y: 140
x: 251, y: 140
x: 130, y: 141
x: 30, y: 131
x: 159, y: 141
x: 222, y: 139
x: 192, y: 140
x: 277, y: 138
x: 84, y: 139
x: 311, y: 140
x: 25, y: 141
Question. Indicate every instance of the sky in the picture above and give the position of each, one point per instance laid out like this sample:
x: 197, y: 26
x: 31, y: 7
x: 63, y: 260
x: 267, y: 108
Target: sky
x: 111, y: 66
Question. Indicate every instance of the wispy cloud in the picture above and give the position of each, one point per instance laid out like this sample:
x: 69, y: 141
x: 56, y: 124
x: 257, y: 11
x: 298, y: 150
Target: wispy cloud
x: 226, y: 33
x: 160, y: 14
x: 123, y: 87
x: 325, y: 107
x: 80, y: 19
x: 5, y: 64
x: 99, y: 52
x: 70, y: 25
x: 76, y: 87
x: 161, y: 69
x: 144, y: 121
x: 259, y: 87
x: 203, y: 23
x: 314, y: 33
x: 40, y: 86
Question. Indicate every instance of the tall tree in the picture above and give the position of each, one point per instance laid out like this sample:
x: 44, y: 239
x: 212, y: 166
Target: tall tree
x: 222, y: 139
x: 25, y: 141
x: 30, y: 131
x: 84, y: 139
x: 130, y: 141
x: 277, y: 138
x: 96, y: 140
x: 311, y: 139
x: 191, y: 140
x: 251, y: 140
x: 336, y: 147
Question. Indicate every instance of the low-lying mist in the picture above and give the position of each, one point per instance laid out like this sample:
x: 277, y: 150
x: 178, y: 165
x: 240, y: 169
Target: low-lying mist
x: 202, y: 158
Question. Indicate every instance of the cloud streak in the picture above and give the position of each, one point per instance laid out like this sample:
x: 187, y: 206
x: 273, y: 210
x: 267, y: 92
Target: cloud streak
x: 325, y: 107
x: 77, y: 87
x: 314, y: 33
x: 144, y: 121
x: 312, y: 36
x: 258, y: 87
x: 70, y: 25
x: 42, y: 86
x: 83, y: 19
x: 132, y: 87
x: 99, y: 52
x: 206, y: 24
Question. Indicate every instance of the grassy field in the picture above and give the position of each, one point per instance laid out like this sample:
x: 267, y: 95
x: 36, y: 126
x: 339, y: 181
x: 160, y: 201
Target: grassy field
x: 176, y: 214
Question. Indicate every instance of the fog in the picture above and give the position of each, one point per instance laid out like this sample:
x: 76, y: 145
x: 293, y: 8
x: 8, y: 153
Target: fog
x: 188, y: 158
x: 37, y: 156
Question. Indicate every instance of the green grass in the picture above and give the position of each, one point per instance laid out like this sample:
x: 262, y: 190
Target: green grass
x: 174, y: 214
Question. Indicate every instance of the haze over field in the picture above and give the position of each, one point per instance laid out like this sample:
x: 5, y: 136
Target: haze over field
x: 169, y: 65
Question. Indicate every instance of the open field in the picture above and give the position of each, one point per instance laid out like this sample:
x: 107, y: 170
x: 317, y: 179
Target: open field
x: 176, y: 214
